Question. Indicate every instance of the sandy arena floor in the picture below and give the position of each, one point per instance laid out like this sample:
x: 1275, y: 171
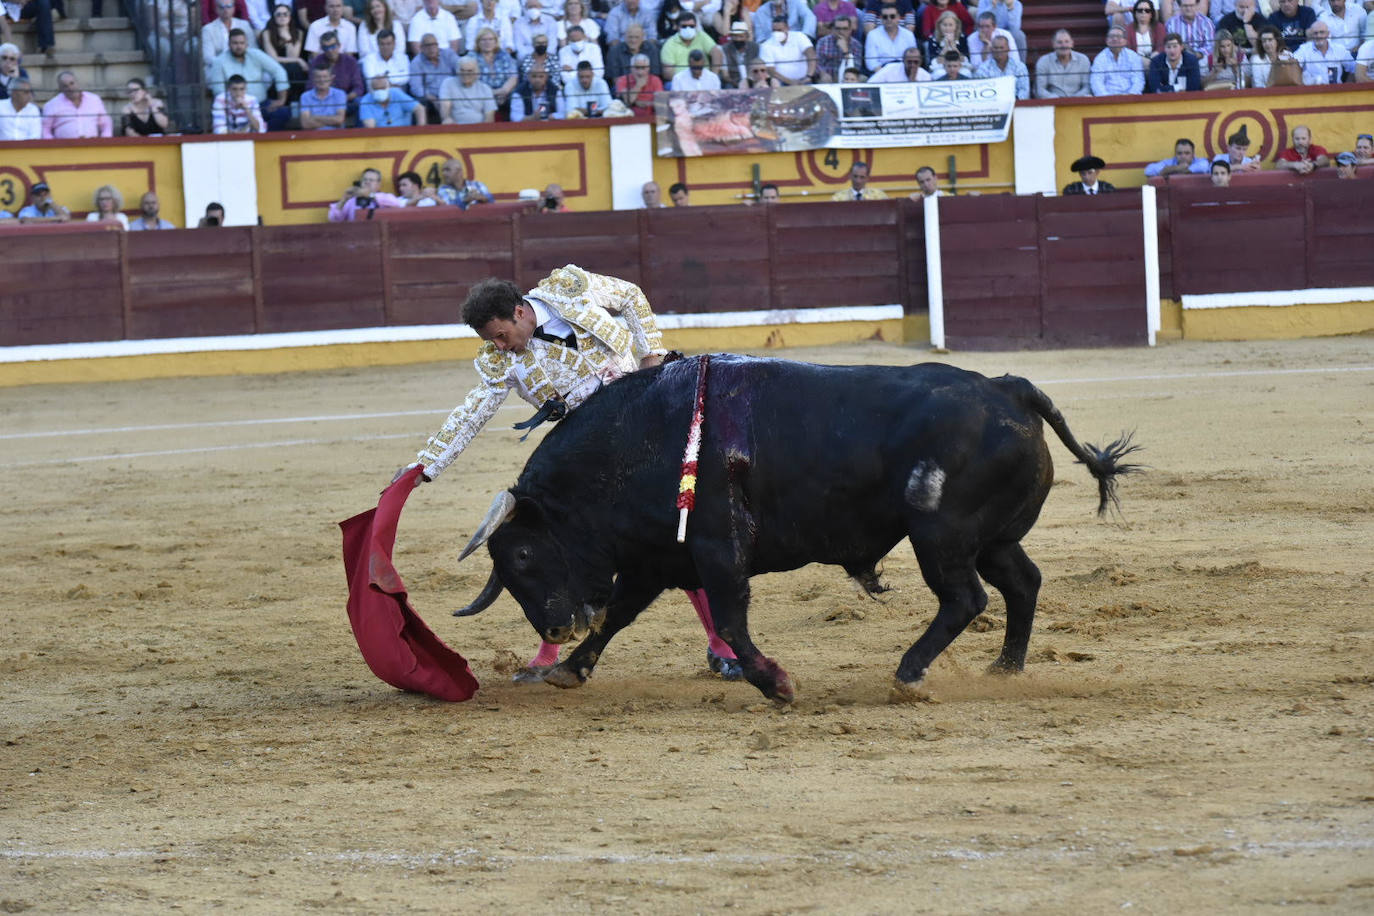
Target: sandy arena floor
x: 186, y: 722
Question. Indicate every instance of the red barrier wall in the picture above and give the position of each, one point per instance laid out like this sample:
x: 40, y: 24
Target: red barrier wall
x: 1286, y: 232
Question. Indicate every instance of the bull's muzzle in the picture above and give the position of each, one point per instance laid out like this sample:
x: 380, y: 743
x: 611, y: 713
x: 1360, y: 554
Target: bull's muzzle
x: 585, y: 621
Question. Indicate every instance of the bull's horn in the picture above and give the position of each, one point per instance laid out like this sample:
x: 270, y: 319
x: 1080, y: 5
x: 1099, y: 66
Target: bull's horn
x: 490, y: 592
x: 501, y: 508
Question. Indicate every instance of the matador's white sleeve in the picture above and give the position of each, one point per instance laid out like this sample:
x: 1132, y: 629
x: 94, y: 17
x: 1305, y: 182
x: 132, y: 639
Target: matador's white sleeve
x: 467, y: 418
x: 645, y: 335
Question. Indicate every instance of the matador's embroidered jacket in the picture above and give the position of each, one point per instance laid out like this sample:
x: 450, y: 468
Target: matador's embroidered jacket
x: 614, y: 330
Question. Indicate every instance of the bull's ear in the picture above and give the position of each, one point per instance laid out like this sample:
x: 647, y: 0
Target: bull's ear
x: 501, y: 508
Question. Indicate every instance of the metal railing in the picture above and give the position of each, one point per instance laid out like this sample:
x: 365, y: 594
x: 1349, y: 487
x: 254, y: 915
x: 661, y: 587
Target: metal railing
x: 169, y: 32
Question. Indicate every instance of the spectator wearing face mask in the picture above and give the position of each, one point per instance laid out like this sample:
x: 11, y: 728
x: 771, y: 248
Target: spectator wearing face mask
x: 674, y: 52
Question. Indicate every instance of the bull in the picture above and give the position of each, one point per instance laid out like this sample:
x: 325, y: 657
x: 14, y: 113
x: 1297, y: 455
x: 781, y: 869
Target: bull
x: 799, y: 464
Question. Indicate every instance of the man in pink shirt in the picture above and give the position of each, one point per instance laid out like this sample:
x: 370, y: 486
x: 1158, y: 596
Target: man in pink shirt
x: 73, y: 114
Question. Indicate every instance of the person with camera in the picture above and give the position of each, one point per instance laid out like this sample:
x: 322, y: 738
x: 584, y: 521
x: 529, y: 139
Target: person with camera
x: 361, y: 200
x: 553, y: 200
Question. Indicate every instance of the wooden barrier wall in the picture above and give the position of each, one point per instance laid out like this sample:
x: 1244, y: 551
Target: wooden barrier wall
x: 1018, y: 271
x: 1272, y: 236
x: 1043, y: 271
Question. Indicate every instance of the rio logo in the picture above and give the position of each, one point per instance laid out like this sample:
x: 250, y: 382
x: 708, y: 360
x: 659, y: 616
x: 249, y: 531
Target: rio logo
x: 953, y: 95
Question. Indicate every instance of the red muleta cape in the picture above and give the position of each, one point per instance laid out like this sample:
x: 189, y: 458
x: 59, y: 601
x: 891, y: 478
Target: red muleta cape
x: 396, y: 644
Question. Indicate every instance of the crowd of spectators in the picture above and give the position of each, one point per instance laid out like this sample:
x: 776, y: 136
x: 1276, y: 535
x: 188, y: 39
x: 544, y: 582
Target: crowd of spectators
x: 327, y: 64
x: 404, y: 62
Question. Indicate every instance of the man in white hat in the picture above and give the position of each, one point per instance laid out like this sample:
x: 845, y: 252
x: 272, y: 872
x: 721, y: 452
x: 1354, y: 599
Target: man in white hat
x: 736, y: 54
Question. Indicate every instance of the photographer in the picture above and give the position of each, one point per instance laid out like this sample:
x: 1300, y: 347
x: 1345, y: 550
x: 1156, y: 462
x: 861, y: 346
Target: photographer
x: 359, y: 201
x: 553, y: 200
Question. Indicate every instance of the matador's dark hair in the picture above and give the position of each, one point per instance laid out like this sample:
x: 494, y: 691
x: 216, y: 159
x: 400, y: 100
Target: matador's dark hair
x: 491, y: 299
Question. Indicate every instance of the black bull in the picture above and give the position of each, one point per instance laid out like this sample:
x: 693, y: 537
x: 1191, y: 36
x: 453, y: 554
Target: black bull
x: 799, y: 464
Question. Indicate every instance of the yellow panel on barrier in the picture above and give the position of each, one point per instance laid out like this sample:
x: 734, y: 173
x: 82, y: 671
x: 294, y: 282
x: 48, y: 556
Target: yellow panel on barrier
x: 300, y: 174
x: 75, y: 168
x: 1130, y: 137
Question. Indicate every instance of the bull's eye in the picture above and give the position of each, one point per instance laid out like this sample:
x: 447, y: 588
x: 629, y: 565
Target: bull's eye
x: 523, y: 556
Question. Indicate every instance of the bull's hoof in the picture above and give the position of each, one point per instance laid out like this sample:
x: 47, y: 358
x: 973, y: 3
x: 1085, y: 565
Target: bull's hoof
x: 562, y: 676
x: 903, y: 693
x: 784, y: 688
x: 729, y: 669
x: 534, y: 674
x: 1006, y: 666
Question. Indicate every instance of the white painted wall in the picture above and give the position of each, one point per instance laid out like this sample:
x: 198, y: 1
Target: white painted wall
x: 1033, y: 150
x: 225, y: 173
x: 632, y: 164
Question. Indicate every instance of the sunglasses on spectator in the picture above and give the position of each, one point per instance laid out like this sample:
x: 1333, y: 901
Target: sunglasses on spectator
x: 329, y: 47
x: 889, y: 16
x: 1144, y: 9
x: 1369, y: 137
x: 9, y: 56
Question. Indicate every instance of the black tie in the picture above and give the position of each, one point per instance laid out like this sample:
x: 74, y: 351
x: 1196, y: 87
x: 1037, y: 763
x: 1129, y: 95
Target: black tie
x: 570, y: 341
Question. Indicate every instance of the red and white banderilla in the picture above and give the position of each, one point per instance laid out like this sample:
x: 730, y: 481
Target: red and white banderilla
x: 687, y: 484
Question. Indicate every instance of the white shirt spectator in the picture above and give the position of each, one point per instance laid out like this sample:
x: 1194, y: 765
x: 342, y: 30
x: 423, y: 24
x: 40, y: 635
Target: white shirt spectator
x: 880, y: 49
x: 259, y: 14
x: 1112, y: 75
x: 214, y: 38
x: 1365, y: 55
x: 405, y: 10
x: 788, y: 59
x: 1346, y: 29
x: 685, y: 82
x: 442, y: 26
x: 25, y: 124
x: 568, y: 59
x: 398, y: 68
x: 1320, y: 68
x: 895, y: 72
x: 348, y: 35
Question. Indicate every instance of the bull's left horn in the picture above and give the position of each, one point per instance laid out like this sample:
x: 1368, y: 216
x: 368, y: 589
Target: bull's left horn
x: 490, y: 592
x: 501, y: 508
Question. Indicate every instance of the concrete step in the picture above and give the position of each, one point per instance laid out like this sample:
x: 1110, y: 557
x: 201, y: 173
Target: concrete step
x: 112, y: 33
x: 104, y: 72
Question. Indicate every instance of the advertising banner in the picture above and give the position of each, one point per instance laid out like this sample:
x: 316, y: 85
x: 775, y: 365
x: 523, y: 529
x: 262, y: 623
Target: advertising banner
x: 836, y: 116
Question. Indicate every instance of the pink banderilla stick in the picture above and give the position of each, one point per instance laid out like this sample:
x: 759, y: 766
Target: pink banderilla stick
x: 687, y: 485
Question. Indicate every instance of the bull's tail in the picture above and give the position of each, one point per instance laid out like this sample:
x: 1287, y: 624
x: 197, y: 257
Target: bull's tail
x: 1104, y: 464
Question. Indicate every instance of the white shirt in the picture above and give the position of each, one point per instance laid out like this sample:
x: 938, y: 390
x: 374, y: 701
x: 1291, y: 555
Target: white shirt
x: 1345, y: 29
x: 1320, y: 69
x: 398, y: 68
x: 895, y: 72
x: 214, y: 38
x: 348, y: 35
x: 788, y: 59
x: 685, y: 82
x: 568, y: 59
x: 26, y: 124
x: 548, y: 319
x: 259, y: 14
x: 442, y: 26
x: 119, y: 217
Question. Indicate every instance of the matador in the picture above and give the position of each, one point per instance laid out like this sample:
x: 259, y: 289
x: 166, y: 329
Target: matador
x: 554, y: 346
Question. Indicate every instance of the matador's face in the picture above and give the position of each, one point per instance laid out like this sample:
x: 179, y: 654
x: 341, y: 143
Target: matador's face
x: 510, y: 335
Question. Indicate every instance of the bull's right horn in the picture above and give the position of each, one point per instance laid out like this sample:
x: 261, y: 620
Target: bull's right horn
x: 501, y: 508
